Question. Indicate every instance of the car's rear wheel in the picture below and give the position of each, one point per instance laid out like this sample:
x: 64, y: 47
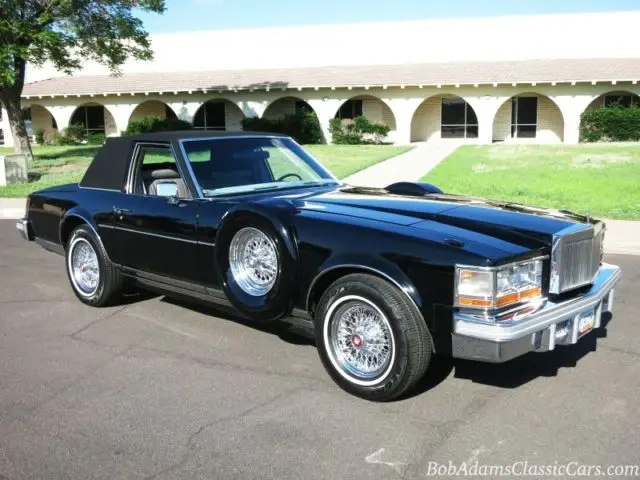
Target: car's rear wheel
x: 371, y: 338
x: 94, y: 279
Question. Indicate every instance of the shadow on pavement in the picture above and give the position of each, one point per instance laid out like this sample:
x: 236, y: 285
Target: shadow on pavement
x: 532, y: 365
x: 511, y: 374
x: 282, y: 330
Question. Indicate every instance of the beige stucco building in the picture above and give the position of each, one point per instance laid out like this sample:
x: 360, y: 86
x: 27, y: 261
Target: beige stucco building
x: 425, y: 92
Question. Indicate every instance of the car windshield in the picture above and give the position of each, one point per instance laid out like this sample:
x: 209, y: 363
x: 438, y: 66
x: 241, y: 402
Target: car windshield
x: 235, y: 165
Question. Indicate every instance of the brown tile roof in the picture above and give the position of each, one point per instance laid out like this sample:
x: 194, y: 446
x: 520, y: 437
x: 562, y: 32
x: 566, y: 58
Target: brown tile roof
x: 581, y: 70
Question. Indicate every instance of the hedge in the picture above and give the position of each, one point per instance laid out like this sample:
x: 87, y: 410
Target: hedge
x: 303, y: 126
x: 610, y: 124
x: 155, y: 124
x: 359, y: 131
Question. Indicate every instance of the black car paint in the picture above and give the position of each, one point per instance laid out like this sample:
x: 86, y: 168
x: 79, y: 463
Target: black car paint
x: 412, y: 241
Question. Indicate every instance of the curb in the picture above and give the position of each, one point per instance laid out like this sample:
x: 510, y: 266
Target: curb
x: 12, y: 208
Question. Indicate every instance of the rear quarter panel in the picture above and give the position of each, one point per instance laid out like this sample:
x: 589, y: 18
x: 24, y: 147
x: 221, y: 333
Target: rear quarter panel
x: 48, y: 211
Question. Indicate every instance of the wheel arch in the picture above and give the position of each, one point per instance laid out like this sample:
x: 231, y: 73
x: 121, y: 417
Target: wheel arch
x: 337, y: 269
x: 74, y: 218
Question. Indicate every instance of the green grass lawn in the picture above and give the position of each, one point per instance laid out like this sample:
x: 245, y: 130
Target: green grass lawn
x: 600, y: 179
x: 58, y: 165
x: 344, y: 160
x: 51, y: 166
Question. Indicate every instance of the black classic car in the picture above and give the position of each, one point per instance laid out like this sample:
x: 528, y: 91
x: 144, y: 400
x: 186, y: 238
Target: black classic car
x: 386, y: 277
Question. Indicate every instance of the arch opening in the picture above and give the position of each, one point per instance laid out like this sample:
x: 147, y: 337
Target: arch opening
x: 220, y: 115
x: 444, y: 116
x: 152, y: 108
x: 528, y: 117
x: 38, y: 119
x: 94, y: 119
x: 372, y: 108
x: 282, y: 107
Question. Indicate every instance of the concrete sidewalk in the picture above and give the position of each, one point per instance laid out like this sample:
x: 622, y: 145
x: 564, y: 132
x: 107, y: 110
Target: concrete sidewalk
x: 409, y: 166
x: 623, y: 236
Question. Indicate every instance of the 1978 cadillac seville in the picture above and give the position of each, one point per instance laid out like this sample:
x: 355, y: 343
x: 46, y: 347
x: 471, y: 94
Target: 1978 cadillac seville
x: 386, y: 277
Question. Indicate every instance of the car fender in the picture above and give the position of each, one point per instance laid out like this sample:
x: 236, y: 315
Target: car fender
x: 77, y: 213
x: 279, y: 301
x: 376, y: 265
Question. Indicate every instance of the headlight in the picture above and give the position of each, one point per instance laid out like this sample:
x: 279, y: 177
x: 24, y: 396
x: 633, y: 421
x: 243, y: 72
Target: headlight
x: 498, y: 287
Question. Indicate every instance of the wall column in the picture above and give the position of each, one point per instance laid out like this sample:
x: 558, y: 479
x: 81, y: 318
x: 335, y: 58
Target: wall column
x: 252, y: 108
x: 185, y: 110
x: 403, y: 110
x: 486, y: 108
x: 121, y: 114
x: 325, y: 109
x: 571, y: 107
x: 62, y: 114
x: 6, y: 128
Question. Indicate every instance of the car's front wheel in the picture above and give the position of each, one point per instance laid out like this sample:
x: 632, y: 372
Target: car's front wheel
x: 94, y: 279
x: 371, y: 338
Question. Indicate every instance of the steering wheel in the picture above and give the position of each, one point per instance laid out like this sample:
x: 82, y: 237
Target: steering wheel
x: 287, y: 175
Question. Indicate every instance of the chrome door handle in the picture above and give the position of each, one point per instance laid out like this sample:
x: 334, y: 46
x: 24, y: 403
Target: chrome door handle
x: 120, y: 212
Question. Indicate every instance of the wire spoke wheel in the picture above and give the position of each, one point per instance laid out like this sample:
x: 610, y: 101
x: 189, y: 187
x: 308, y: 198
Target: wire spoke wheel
x: 85, y: 269
x: 253, y: 261
x: 361, y: 342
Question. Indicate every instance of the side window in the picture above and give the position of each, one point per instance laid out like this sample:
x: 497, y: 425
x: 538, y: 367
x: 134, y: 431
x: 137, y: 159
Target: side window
x: 157, y: 174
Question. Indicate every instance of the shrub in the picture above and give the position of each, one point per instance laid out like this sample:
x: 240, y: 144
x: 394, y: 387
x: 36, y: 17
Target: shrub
x: 74, y: 134
x: 610, y: 124
x: 53, y: 137
x: 303, y: 126
x: 95, y: 138
x: 358, y: 131
x: 155, y: 124
x: 40, y: 136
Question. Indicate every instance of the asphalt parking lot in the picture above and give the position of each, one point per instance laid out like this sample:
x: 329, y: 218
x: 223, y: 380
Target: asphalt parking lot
x: 162, y: 389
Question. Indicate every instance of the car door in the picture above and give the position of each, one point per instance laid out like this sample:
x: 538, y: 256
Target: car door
x: 155, y: 219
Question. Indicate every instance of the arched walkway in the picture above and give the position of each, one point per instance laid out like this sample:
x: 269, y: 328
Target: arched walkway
x: 38, y: 118
x: 94, y: 118
x: 285, y: 106
x: 373, y: 108
x: 152, y: 108
x: 528, y: 117
x: 617, y: 97
x: 218, y: 115
x: 444, y: 116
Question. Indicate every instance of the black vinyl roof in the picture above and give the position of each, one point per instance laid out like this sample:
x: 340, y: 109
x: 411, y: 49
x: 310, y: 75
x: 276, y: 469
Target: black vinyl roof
x: 193, y: 134
x: 108, y: 169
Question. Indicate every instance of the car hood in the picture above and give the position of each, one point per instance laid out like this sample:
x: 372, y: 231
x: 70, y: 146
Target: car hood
x: 526, y: 226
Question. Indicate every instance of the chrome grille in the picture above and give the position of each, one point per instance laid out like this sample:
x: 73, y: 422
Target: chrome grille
x: 575, y: 257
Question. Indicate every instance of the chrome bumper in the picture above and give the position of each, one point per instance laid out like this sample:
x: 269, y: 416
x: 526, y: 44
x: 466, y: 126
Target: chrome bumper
x: 24, y: 226
x: 550, y: 325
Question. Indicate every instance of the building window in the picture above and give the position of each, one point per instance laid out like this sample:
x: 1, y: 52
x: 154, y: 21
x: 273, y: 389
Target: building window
x: 211, y: 116
x: 622, y: 100
x: 457, y: 119
x: 350, y: 109
x: 524, y: 117
x: 91, y: 117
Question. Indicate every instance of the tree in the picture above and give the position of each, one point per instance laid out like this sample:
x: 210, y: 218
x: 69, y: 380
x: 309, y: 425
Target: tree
x: 65, y: 33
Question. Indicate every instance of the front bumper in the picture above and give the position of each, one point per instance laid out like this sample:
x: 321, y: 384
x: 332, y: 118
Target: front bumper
x: 24, y: 226
x: 549, y: 325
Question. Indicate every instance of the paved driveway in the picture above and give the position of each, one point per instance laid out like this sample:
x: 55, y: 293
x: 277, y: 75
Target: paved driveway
x: 160, y: 389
